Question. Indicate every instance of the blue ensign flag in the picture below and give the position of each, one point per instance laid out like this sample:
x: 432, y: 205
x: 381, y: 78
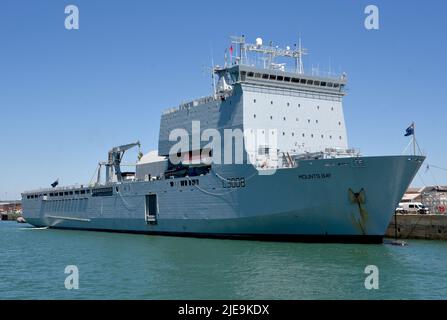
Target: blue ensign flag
x: 410, y: 130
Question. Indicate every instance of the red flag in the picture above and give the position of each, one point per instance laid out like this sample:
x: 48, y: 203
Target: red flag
x: 231, y: 49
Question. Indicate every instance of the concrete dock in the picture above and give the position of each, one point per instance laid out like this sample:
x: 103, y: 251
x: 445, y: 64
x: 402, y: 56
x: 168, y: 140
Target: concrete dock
x: 419, y: 226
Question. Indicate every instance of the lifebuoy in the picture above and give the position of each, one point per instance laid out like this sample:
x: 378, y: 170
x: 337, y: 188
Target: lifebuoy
x: 441, y: 209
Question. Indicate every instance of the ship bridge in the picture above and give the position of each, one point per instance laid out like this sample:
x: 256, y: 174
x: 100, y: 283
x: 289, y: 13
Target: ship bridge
x: 258, y: 94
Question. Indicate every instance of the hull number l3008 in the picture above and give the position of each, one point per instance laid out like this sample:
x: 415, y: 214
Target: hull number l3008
x: 233, y: 183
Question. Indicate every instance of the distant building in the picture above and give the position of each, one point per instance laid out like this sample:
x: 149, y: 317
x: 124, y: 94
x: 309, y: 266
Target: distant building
x: 433, y: 197
x: 412, y: 195
x: 10, y: 207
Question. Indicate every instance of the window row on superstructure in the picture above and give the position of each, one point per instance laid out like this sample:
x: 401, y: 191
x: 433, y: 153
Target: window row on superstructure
x: 58, y: 193
x: 292, y: 92
x: 301, y: 81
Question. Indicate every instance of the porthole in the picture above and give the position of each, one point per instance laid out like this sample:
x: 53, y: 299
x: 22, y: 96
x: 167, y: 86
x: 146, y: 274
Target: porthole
x: 283, y: 133
x: 284, y: 118
x: 303, y: 135
x: 308, y: 120
x: 254, y: 116
x: 288, y: 104
x: 254, y: 100
x: 316, y: 121
x: 340, y: 137
x: 311, y: 135
x: 293, y: 134
x: 271, y: 117
x: 271, y: 102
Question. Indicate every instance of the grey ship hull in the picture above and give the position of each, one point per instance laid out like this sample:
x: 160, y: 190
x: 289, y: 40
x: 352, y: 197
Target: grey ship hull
x: 325, y: 200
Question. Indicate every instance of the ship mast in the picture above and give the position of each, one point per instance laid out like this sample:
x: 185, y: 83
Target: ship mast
x: 269, y: 53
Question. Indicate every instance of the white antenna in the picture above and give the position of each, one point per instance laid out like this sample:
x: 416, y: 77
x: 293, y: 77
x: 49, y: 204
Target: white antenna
x: 300, y: 58
x: 213, y: 76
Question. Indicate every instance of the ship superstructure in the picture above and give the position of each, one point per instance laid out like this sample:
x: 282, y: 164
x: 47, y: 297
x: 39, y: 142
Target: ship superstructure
x: 291, y: 176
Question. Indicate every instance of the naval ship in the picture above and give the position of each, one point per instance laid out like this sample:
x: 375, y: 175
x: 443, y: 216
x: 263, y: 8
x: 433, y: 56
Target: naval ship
x: 296, y: 180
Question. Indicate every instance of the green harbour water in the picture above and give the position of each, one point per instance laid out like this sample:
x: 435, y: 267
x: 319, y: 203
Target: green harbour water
x: 124, y: 266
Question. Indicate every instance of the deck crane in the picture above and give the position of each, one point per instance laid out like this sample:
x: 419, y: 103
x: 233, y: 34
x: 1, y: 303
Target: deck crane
x: 114, y: 160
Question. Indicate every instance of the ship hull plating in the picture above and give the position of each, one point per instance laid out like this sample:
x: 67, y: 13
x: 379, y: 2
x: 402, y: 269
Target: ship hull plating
x: 325, y: 200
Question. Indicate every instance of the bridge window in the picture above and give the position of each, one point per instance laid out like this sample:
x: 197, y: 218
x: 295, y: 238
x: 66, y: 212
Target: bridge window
x: 296, y: 80
x: 310, y: 82
x: 303, y: 81
x: 287, y: 79
x: 265, y: 76
x: 272, y: 77
x: 280, y: 78
x: 316, y: 83
x: 257, y: 75
x: 250, y: 74
x: 323, y: 84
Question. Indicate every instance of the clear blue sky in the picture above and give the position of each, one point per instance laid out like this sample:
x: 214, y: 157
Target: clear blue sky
x: 66, y: 97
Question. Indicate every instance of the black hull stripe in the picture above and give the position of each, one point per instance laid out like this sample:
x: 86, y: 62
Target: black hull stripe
x: 360, y: 239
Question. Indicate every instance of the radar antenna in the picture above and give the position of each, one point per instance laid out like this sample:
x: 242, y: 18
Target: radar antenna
x: 270, y: 52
